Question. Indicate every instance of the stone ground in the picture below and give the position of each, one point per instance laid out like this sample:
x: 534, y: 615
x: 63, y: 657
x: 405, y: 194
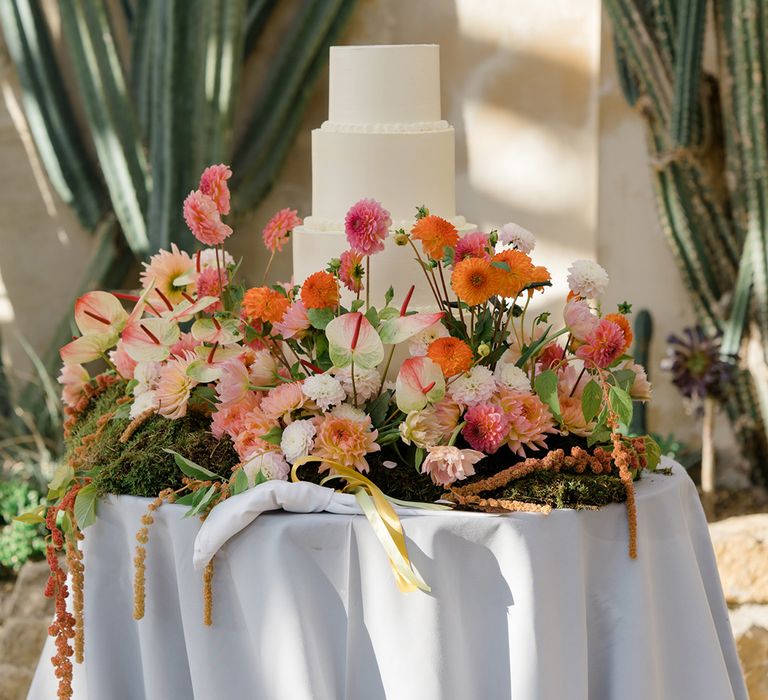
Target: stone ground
x: 741, y: 546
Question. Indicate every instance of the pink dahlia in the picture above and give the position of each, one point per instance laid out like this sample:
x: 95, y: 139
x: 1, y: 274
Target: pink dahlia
x: 213, y: 182
x: 294, y: 322
x: 530, y: 421
x: 603, y: 345
x: 163, y: 269
x: 209, y: 282
x: 473, y: 245
x: 234, y: 385
x: 367, y: 225
x: 448, y: 464
x: 351, y: 270
x: 73, y: 379
x: 487, y: 427
x: 345, y: 440
x: 551, y: 356
x: 579, y: 319
x: 123, y: 362
x: 230, y: 418
x: 254, y: 426
x: 202, y: 217
x: 281, y: 401
x: 278, y: 229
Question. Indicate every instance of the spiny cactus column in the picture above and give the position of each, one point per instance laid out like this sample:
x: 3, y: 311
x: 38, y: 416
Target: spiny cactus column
x: 707, y: 145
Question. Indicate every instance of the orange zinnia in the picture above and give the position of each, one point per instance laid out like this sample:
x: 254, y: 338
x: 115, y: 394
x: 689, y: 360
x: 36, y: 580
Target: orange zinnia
x: 452, y: 355
x: 622, y: 322
x: 320, y: 291
x: 264, y: 304
x: 475, y: 281
x: 435, y: 234
x: 521, y: 273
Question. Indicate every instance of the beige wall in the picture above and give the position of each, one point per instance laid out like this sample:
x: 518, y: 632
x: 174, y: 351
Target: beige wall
x: 543, y: 138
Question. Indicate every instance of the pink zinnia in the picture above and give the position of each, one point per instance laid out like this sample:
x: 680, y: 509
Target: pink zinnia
x: 448, y: 464
x: 487, y: 427
x: 202, y: 217
x: 294, y: 321
x: 603, y: 345
x: 351, y: 270
x: 278, y: 229
x: 367, y: 225
x: 209, y: 282
x: 473, y: 245
x: 213, y: 182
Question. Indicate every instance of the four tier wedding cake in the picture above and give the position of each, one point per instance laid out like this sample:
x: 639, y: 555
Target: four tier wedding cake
x: 384, y: 139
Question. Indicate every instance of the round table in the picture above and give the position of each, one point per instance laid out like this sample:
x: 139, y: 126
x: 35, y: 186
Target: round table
x: 525, y: 606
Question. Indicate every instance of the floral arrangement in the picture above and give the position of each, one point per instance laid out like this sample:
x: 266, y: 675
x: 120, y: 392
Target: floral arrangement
x: 302, y: 381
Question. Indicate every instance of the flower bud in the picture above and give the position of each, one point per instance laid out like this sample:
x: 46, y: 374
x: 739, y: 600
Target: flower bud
x: 483, y: 349
x: 401, y: 238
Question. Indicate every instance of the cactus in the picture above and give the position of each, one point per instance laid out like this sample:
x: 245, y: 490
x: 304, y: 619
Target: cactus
x: 157, y: 118
x: 643, y: 332
x: 709, y: 160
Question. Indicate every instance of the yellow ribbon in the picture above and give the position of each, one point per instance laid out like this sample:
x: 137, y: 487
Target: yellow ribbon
x: 382, y: 517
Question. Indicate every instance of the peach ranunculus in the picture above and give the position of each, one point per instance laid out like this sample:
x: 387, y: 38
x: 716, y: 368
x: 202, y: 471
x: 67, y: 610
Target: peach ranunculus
x: 346, y: 441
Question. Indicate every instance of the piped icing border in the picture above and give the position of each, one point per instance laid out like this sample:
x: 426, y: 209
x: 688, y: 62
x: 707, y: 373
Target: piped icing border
x: 386, y: 127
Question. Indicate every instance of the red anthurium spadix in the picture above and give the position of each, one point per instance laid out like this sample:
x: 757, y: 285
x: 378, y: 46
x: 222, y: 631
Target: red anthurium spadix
x: 401, y: 328
x: 100, y: 312
x: 150, y: 339
x: 352, y: 338
x: 185, y: 309
x: 217, y: 353
x: 419, y: 381
x: 213, y: 330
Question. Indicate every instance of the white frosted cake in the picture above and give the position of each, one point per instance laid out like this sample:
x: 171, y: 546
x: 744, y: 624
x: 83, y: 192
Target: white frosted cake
x: 384, y: 139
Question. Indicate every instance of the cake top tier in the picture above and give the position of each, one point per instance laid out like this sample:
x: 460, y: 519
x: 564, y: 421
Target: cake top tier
x: 393, y: 84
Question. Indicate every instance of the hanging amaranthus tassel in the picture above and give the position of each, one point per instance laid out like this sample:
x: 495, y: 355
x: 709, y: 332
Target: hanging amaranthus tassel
x: 208, y: 594
x: 139, y: 560
x: 76, y: 573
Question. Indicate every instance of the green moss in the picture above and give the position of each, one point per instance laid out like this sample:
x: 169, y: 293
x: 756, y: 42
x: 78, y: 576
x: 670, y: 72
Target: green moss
x: 140, y: 466
x: 563, y: 490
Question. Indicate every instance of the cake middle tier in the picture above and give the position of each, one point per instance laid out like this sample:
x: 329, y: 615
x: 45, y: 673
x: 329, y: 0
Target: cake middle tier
x: 400, y: 169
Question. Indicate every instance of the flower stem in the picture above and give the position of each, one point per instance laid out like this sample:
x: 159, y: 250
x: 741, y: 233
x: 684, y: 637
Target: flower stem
x: 354, y: 386
x: 427, y: 275
x: 386, y: 369
x: 266, y: 269
x: 367, y: 281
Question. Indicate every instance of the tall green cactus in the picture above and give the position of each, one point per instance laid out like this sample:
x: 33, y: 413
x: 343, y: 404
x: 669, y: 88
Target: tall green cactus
x: 708, y: 146
x: 159, y: 116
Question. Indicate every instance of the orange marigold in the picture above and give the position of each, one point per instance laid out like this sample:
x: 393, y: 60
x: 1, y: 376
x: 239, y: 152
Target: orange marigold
x: 264, y: 304
x: 320, y: 291
x: 521, y: 273
x: 622, y: 322
x: 435, y: 233
x: 475, y: 280
x: 452, y: 355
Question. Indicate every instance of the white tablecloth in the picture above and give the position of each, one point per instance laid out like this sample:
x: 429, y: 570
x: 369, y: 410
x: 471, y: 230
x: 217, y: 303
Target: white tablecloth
x: 524, y: 606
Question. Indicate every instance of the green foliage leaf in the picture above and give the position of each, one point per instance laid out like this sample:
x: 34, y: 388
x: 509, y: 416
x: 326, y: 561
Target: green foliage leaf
x: 545, y: 385
x: 624, y: 378
x: 202, y: 501
x: 239, y: 482
x: 652, y: 453
x: 418, y: 458
x: 62, y: 478
x: 373, y: 316
x: 30, y: 518
x: 591, y: 400
x: 388, y: 312
x: 389, y: 295
x: 357, y: 304
x: 85, y: 506
x: 377, y: 409
x: 274, y: 436
x: 320, y: 318
x: 621, y: 403
x: 191, y: 469
x: 186, y: 500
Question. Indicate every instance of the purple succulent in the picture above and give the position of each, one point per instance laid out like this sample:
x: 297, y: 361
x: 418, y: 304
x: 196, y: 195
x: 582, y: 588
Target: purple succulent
x: 698, y: 368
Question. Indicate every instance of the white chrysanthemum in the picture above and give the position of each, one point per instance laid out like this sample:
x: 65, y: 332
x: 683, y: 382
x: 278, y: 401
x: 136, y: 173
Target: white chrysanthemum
x: 324, y: 390
x: 419, y: 428
x: 349, y: 412
x: 367, y: 382
x: 511, y: 376
x: 297, y: 440
x: 587, y: 279
x: 271, y: 464
x: 418, y: 344
x: 208, y: 258
x: 142, y: 401
x: 516, y: 236
x: 147, y: 374
x: 473, y: 387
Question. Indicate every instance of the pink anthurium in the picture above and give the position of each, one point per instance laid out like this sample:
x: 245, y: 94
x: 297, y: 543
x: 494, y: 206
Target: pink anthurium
x: 203, y: 372
x: 213, y: 330
x: 401, y: 328
x: 419, y: 381
x: 150, y: 339
x: 352, y: 338
x: 186, y: 309
x: 87, y: 348
x: 216, y: 354
x: 100, y: 312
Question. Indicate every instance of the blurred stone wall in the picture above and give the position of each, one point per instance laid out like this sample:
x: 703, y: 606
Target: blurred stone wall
x: 543, y: 138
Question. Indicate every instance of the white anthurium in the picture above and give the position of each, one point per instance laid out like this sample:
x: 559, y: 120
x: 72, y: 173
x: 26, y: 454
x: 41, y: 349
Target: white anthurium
x: 186, y: 310
x: 212, y: 330
x: 150, y: 339
x: 87, y: 348
x: 203, y: 372
x: 401, y: 328
x: 419, y: 382
x: 216, y: 354
x: 100, y: 312
x: 352, y: 338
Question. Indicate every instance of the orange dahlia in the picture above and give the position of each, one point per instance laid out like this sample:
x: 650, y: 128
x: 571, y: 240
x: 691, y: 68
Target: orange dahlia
x: 475, y: 281
x: 452, y: 355
x: 264, y: 304
x: 521, y: 273
x: 622, y: 322
x: 320, y: 291
x: 435, y: 234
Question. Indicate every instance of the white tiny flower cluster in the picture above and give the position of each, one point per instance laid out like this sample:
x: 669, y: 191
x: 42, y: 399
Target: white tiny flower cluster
x: 473, y: 387
x: 271, y: 464
x: 587, y: 279
x: 367, y: 382
x: 298, y: 439
x: 324, y: 390
x: 514, y: 235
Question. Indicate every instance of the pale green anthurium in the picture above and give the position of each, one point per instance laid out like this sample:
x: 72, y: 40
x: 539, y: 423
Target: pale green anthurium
x: 419, y: 382
x: 150, y: 339
x: 87, y: 348
x: 203, y: 372
x: 401, y: 328
x: 100, y: 312
x: 352, y: 338
x: 226, y: 333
